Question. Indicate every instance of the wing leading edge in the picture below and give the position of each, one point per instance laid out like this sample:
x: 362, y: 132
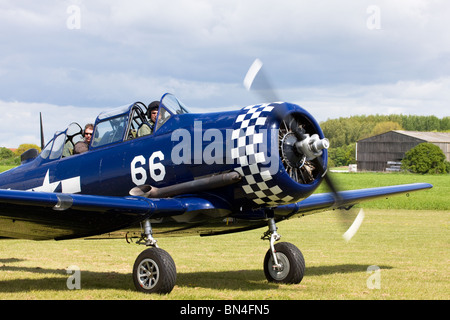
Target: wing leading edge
x: 42, y: 215
x: 326, y: 201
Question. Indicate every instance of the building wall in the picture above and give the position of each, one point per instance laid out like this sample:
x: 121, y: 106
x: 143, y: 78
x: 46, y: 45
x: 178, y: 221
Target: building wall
x: 445, y: 147
x: 374, y: 153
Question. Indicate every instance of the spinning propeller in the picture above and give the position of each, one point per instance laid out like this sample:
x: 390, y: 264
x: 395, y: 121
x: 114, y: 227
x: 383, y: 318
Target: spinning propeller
x: 300, y: 152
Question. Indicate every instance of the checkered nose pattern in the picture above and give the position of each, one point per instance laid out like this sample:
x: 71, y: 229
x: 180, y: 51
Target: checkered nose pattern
x: 251, y: 156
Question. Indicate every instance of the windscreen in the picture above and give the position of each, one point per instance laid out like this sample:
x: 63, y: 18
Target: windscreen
x: 169, y: 106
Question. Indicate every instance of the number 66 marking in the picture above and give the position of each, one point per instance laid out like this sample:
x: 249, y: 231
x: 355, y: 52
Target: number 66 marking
x: 138, y: 172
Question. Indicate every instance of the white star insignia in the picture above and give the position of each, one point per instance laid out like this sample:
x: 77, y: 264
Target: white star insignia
x: 46, y: 185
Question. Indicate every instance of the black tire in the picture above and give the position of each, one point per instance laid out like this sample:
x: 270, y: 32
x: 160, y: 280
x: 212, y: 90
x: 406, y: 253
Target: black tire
x: 154, y: 271
x: 291, y: 260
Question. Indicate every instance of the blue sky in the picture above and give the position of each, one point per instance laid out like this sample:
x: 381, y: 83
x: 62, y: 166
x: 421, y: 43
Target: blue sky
x: 72, y: 59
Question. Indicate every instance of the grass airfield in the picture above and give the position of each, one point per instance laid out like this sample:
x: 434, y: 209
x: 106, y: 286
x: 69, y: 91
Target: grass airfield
x: 406, y: 238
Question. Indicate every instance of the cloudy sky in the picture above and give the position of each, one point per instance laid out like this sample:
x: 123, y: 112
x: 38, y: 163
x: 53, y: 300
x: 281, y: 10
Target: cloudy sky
x: 72, y: 59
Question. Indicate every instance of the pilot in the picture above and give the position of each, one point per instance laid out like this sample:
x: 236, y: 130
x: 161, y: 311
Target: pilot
x: 152, y: 112
x: 83, y: 146
x: 147, y: 128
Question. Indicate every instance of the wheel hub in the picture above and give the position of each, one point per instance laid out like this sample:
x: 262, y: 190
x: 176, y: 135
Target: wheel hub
x: 281, y: 271
x: 148, y: 274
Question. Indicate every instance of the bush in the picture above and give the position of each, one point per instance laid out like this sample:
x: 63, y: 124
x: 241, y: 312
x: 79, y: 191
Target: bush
x: 5, y: 153
x: 8, y: 158
x: 342, y: 156
x: 26, y: 146
x: 425, y: 158
x: 13, y: 161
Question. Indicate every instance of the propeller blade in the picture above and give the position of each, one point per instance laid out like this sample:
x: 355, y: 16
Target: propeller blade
x: 328, y: 180
x: 348, y: 235
x: 251, y: 73
x: 256, y: 80
x: 343, y: 214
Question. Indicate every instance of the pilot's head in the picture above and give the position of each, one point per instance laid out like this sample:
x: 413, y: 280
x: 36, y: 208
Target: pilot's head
x: 153, y: 111
x: 88, y: 129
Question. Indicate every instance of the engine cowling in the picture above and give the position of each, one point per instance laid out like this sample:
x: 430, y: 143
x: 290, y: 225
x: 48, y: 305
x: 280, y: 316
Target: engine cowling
x: 280, y: 152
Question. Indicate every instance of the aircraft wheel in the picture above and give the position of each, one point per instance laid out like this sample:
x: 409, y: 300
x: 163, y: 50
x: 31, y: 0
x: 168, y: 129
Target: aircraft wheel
x: 154, y: 271
x: 292, y: 264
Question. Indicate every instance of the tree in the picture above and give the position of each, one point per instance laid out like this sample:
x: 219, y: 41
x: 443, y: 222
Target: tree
x: 26, y: 146
x: 5, y: 153
x: 425, y: 158
x: 8, y: 158
x: 342, y: 156
x: 385, y: 126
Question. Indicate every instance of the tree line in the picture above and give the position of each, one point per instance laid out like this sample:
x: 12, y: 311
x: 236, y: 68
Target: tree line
x: 12, y: 158
x: 344, y: 132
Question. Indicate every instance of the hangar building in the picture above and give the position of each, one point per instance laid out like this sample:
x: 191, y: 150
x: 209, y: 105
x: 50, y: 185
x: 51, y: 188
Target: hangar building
x: 384, y: 152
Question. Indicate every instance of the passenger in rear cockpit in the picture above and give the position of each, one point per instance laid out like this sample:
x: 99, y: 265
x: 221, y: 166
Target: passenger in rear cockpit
x: 83, y: 146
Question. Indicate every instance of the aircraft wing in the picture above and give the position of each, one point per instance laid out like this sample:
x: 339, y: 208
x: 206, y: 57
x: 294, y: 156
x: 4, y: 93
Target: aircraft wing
x: 42, y: 215
x: 45, y: 215
x: 326, y: 201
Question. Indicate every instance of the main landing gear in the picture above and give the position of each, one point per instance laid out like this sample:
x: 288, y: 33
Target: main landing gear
x: 154, y: 270
x: 284, y: 262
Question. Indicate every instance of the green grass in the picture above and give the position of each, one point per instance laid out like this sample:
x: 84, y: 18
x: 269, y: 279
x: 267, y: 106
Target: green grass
x: 6, y: 167
x: 411, y: 248
x: 436, y: 198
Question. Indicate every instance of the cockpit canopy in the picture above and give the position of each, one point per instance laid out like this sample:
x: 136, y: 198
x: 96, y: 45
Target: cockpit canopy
x: 133, y: 121
x: 62, y: 143
x: 120, y: 124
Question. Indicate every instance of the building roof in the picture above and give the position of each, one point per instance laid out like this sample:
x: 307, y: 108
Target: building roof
x: 441, y: 137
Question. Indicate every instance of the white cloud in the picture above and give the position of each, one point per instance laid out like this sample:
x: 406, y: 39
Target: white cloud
x: 320, y: 54
x: 403, y: 97
x: 20, y: 121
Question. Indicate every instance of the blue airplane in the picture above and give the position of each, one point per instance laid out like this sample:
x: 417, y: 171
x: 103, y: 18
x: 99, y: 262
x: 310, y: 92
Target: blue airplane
x: 184, y: 173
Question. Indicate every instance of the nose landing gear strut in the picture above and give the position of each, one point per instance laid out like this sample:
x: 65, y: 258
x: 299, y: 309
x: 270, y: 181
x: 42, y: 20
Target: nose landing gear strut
x: 284, y: 262
x: 154, y: 270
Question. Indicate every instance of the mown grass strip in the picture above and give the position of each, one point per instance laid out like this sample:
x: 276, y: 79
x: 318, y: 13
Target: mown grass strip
x: 410, y: 248
x: 436, y: 198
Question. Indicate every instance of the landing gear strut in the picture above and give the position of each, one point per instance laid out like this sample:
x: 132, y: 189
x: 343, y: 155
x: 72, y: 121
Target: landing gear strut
x: 154, y: 270
x: 284, y: 262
